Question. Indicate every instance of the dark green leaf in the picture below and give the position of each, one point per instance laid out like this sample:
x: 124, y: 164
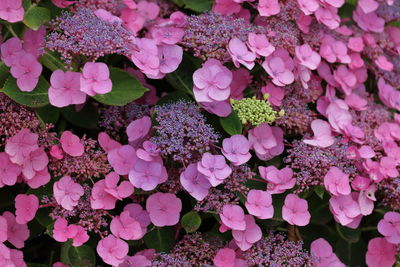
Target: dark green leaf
x: 36, y: 265
x: 35, y: 99
x: 36, y: 16
x: 319, y: 190
x: 173, y: 97
x: 231, y: 124
x: 160, y: 239
x: 125, y: 89
x: 182, y: 78
x: 85, y: 118
x: 198, y: 5
x: 348, y: 234
x: 48, y: 114
x: 4, y: 73
x: 191, y: 221
x: 352, y: 254
x: 82, y: 256
x: 52, y: 61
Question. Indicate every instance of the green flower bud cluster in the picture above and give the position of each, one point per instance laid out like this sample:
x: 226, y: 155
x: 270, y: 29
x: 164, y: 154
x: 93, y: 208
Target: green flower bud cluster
x: 255, y: 111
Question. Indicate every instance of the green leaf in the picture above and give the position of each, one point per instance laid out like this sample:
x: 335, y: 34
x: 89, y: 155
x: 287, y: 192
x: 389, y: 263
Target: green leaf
x: 48, y: 114
x: 35, y: 99
x: 182, y: 78
x: 173, y: 97
x: 36, y: 16
x: 352, y: 254
x: 161, y: 239
x: 125, y: 89
x: 4, y: 73
x: 52, y: 61
x: 82, y: 256
x: 191, y: 221
x: 36, y: 265
x: 348, y: 234
x: 87, y: 117
x: 231, y: 124
x: 198, y: 5
x: 319, y: 190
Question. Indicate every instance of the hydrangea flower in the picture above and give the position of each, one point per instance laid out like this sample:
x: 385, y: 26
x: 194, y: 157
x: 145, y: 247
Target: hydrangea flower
x: 147, y: 174
x: 295, y: 210
x: 279, y: 65
x: 259, y: 204
x: 112, y: 250
x: 236, y: 149
x: 25, y: 208
x: 67, y: 193
x: 240, y: 54
x: 233, y: 217
x: 259, y: 44
x: 336, y: 182
x: 307, y: 57
x: 17, y: 233
x: 322, y: 134
x: 11, y: 10
x: 278, y: 180
x: 9, y: 171
x: 344, y: 208
x: 195, y: 182
x: 71, y: 144
x: 380, y: 253
x: 266, y: 141
x: 126, y: 227
x: 95, y: 79
x: 65, y: 89
x: 245, y: 239
x: 164, y: 209
x: 26, y: 69
x: 122, y: 159
x: 323, y: 253
x: 389, y: 227
x: 214, y: 168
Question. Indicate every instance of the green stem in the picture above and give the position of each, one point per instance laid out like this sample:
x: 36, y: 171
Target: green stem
x: 10, y: 29
x: 368, y: 228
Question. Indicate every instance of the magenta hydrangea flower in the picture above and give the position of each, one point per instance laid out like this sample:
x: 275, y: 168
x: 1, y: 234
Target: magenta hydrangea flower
x: 34, y: 163
x: 275, y: 94
x: 225, y: 257
x: 259, y: 204
x: 107, y: 143
x: 212, y: 82
x: 11, y: 50
x: 122, y: 159
x: 25, y: 208
x: 345, y: 78
x: 279, y: 65
x: 333, y: 50
x: 164, y: 209
x: 266, y: 141
x: 11, y: 10
x: 71, y: 144
x: 245, y: 239
x: 240, y: 54
x: 195, y: 182
x: 67, y: 193
x: 65, y: 89
x: 278, y: 180
x: 307, y: 57
x: 380, y: 253
x: 322, y: 134
x: 259, y: 44
x: 389, y: 227
x: 17, y: 233
x: 232, y: 216
x: 337, y: 182
x: 323, y: 254
x: 112, y: 250
x: 295, y: 210
x: 138, y: 129
x: 268, y: 7
x: 236, y: 149
x: 126, y: 227
x: 139, y: 214
x: 147, y: 174
x: 214, y: 168
x: 344, y: 208
x: 26, y: 69
x: 3, y: 229
x: 9, y: 171
x: 95, y: 79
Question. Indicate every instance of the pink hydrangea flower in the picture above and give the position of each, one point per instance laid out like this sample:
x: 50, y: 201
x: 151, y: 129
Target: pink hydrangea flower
x: 322, y: 134
x: 268, y: 8
x: 148, y: 10
x: 345, y: 78
x: 9, y: 171
x: 3, y: 229
x: 195, y: 182
x: 71, y: 144
x: 147, y: 174
x: 259, y: 204
x: 62, y: 232
x: 383, y: 63
x: 21, y: 145
x: 225, y: 7
x: 295, y: 210
x: 240, y: 54
x: 26, y: 69
x: 126, y: 227
x: 137, y: 260
x: 33, y: 41
x: 328, y: 16
x: 11, y: 50
x: 107, y: 143
x: 333, y: 50
x: 41, y: 178
x: 17, y: 233
x: 170, y: 58
x: 107, y: 16
x: 35, y: 162
x: 275, y: 94
x: 164, y: 209
x: 65, y: 89
x: 214, y: 168
x: 236, y: 149
x: 380, y: 253
x: 122, y: 159
x: 308, y: 6
x: 25, y: 208
x: 259, y: 44
x: 106, y: 192
x: 337, y: 182
x: 368, y: 21
x: 149, y: 152
x: 323, y: 253
x: 219, y: 108
x: 95, y: 79
x: 67, y: 193
x: 246, y: 238
x: 278, y: 180
x: 139, y: 214
x: 167, y: 34
x: 232, y: 216
x: 225, y: 257
x: 344, y: 208
x: 112, y: 250
x: 212, y: 82
x: 138, y: 129
x: 62, y: 4
x: 240, y: 80
x: 146, y: 56
x: 389, y: 227
x: 307, y: 57
x: 11, y: 10
x: 56, y: 152
x: 266, y: 141
x: 279, y: 65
